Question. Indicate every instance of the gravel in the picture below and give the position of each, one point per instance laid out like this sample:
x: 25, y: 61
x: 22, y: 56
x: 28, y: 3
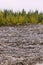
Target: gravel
x: 21, y: 45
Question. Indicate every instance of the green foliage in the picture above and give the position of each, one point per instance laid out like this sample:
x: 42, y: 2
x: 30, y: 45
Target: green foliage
x: 8, y: 17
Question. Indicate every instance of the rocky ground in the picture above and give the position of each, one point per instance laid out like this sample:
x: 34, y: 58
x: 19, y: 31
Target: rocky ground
x: 21, y: 45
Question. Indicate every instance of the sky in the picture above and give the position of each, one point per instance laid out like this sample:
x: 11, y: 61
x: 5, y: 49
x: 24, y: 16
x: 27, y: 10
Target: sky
x: 18, y: 5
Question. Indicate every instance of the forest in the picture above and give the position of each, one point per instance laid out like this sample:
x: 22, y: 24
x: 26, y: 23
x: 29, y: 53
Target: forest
x: 8, y: 17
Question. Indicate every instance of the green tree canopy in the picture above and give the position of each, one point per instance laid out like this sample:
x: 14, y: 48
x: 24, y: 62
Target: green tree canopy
x: 8, y: 17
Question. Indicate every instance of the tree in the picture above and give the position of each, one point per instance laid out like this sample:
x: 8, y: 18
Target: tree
x: 23, y: 12
x: 8, y: 17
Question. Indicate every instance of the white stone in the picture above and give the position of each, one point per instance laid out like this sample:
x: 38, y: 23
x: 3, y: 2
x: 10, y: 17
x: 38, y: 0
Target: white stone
x: 39, y: 63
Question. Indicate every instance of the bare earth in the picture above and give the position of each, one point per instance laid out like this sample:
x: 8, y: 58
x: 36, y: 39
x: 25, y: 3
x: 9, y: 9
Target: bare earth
x: 21, y: 45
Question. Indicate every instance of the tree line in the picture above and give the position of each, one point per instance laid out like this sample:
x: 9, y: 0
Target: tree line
x: 8, y: 17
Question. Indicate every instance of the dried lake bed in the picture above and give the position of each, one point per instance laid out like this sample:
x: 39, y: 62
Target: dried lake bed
x: 21, y: 45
